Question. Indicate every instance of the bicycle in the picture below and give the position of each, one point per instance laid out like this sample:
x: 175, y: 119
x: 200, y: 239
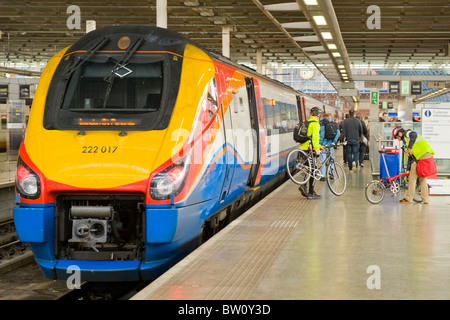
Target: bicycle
x: 376, y: 189
x: 301, y: 165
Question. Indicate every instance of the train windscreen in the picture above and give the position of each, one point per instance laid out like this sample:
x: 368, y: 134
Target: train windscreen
x: 106, y: 93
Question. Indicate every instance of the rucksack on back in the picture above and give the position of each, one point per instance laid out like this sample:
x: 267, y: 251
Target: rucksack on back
x: 331, y: 129
x: 301, y: 132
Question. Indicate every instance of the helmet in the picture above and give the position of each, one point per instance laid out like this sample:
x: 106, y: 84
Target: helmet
x: 315, y: 111
x: 395, y: 131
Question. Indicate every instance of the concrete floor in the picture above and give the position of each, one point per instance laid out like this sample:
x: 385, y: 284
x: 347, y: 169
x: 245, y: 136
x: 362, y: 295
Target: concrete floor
x: 289, y: 247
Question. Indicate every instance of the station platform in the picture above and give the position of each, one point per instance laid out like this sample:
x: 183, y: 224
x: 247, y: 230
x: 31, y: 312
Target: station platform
x: 287, y: 247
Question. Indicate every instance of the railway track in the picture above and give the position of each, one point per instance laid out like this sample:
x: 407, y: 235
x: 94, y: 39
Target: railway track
x: 13, y: 253
x: 21, y: 278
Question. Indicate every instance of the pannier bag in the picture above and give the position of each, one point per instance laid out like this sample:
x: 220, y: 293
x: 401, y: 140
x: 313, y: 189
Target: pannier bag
x: 426, y: 167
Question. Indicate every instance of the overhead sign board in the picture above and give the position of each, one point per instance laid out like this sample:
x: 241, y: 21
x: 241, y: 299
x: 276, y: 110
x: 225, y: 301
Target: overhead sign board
x: 416, y: 87
x: 374, y: 84
x: 436, y: 84
x: 405, y: 88
x: 394, y: 87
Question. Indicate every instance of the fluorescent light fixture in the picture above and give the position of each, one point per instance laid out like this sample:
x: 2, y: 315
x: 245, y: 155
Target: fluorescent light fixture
x: 327, y: 35
x: 332, y: 46
x: 341, y: 66
x: 311, y: 2
x: 336, y: 54
x: 320, y: 20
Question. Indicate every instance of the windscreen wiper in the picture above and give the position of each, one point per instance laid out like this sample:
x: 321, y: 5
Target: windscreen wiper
x: 121, y: 63
x: 83, y: 58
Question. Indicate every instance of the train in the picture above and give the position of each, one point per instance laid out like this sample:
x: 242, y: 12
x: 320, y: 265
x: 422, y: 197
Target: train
x: 140, y: 145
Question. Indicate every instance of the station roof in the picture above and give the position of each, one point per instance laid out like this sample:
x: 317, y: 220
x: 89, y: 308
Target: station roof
x: 383, y: 34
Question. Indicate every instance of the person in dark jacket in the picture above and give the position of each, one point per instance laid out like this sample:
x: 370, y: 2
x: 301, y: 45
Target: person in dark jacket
x: 342, y: 139
x: 352, y: 130
x: 363, y: 147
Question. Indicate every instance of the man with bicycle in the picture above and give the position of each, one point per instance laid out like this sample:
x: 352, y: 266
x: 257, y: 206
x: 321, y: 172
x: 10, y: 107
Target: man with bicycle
x: 314, y: 134
x: 417, y: 148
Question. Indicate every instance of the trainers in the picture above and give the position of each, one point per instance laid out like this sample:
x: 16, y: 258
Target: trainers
x: 405, y: 201
x: 314, y: 196
x: 302, y: 190
x: 362, y: 165
x: 322, y: 179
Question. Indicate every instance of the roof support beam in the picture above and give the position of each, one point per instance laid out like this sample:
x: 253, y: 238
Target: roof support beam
x: 290, y: 6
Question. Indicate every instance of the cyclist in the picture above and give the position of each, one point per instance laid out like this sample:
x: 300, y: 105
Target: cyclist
x: 314, y: 133
x: 417, y: 148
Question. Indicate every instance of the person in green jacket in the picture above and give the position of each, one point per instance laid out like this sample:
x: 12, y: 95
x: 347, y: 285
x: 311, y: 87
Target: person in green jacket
x: 314, y: 133
x: 417, y: 148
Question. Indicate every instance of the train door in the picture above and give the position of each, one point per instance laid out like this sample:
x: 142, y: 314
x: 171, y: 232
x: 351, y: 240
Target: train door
x: 230, y: 160
x: 240, y: 136
x: 301, y: 109
x: 256, y: 161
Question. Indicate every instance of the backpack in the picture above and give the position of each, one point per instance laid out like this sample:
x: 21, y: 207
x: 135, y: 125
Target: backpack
x: 331, y: 129
x: 300, y: 132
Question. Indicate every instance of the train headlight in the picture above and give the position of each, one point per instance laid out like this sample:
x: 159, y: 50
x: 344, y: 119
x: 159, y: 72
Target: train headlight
x: 27, y: 182
x: 171, y: 180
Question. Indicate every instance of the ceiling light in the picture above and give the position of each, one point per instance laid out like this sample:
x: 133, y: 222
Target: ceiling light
x: 336, y: 54
x: 341, y: 66
x: 311, y: 2
x: 320, y: 20
x: 327, y: 35
x: 332, y: 46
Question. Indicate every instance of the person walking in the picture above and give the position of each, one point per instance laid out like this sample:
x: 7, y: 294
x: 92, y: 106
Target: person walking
x: 314, y: 133
x: 342, y: 139
x: 352, y: 130
x: 329, y: 133
x: 363, y: 143
x: 417, y: 148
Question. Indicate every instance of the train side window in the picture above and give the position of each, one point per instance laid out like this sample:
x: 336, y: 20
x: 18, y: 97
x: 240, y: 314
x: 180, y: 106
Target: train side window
x: 212, y: 104
x: 241, y: 104
x: 235, y: 104
x: 4, y: 123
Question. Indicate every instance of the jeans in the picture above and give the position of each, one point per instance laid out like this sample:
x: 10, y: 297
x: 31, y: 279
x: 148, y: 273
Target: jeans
x: 323, y: 156
x: 352, y: 153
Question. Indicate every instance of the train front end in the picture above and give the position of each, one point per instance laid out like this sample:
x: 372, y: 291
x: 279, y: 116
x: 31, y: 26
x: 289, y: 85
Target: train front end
x: 104, y: 177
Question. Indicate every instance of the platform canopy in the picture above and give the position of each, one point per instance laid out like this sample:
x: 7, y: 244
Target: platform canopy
x: 335, y: 37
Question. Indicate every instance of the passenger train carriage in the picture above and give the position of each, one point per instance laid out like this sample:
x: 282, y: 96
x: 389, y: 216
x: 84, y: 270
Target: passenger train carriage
x: 141, y: 144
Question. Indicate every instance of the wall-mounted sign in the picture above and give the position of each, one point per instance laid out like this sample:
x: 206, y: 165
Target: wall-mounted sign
x: 374, y: 97
x: 436, y: 130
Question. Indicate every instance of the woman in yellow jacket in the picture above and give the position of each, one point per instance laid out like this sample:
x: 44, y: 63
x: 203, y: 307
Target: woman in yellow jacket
x: 314, y: 133
x: 418, y: 148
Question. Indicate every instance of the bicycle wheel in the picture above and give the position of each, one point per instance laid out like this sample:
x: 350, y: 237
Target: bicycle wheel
x: 298, y: 165
x: 375, y: 192
x: 336, y: 178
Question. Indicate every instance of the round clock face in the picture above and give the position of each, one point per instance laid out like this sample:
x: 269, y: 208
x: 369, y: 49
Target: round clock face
x: 307, y: 74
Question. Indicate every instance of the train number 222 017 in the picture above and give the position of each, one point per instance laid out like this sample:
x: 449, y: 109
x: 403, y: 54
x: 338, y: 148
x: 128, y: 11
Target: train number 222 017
x: 98, y: 149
